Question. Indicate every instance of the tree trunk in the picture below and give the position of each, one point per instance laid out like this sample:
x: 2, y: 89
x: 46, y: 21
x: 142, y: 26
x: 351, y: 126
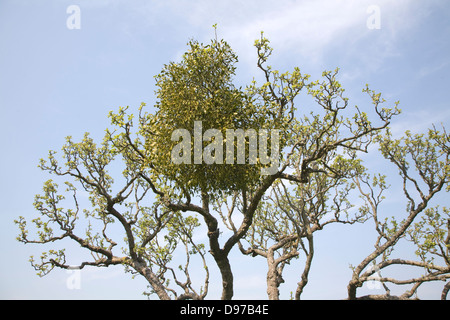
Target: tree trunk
x: 304, y: 280
x: 445, y: 290
x: 274, y: 279
x: 221, y: 258
x: 152, y: 279
x: 351, y: 289
x: 220, y: 255
x: 227, y: 275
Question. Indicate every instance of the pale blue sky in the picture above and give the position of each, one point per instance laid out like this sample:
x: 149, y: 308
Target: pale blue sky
x: 56, y: 82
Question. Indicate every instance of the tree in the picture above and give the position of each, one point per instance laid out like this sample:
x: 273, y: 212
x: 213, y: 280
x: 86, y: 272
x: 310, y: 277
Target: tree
x: 423, y: 165
x: 143, y: 222
x: 285, y: 224
x: 159, y: 203
x: 196, y: 97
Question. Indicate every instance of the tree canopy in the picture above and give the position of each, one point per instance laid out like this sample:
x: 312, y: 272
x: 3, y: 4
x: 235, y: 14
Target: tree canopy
x: 166, y: 192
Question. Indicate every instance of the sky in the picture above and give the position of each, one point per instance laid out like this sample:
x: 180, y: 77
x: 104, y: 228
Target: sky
x: 58, y: 79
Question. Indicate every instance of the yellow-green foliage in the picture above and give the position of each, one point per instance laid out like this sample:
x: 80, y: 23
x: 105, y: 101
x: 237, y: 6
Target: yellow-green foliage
x: 200, y: 88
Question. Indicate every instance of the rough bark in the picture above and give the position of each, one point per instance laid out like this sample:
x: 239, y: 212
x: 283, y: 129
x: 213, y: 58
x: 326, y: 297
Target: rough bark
x: 445, y: 291
x: 159, y: 289
x: 274, y: 279
x: 227, y: 275
x: 219, y: 255
x: 304, y: 280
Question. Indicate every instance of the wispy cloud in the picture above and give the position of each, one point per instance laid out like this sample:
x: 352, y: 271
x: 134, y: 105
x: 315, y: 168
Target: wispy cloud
x: 432, y: 68
x: 313, y: 30
x: 420, y: 121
